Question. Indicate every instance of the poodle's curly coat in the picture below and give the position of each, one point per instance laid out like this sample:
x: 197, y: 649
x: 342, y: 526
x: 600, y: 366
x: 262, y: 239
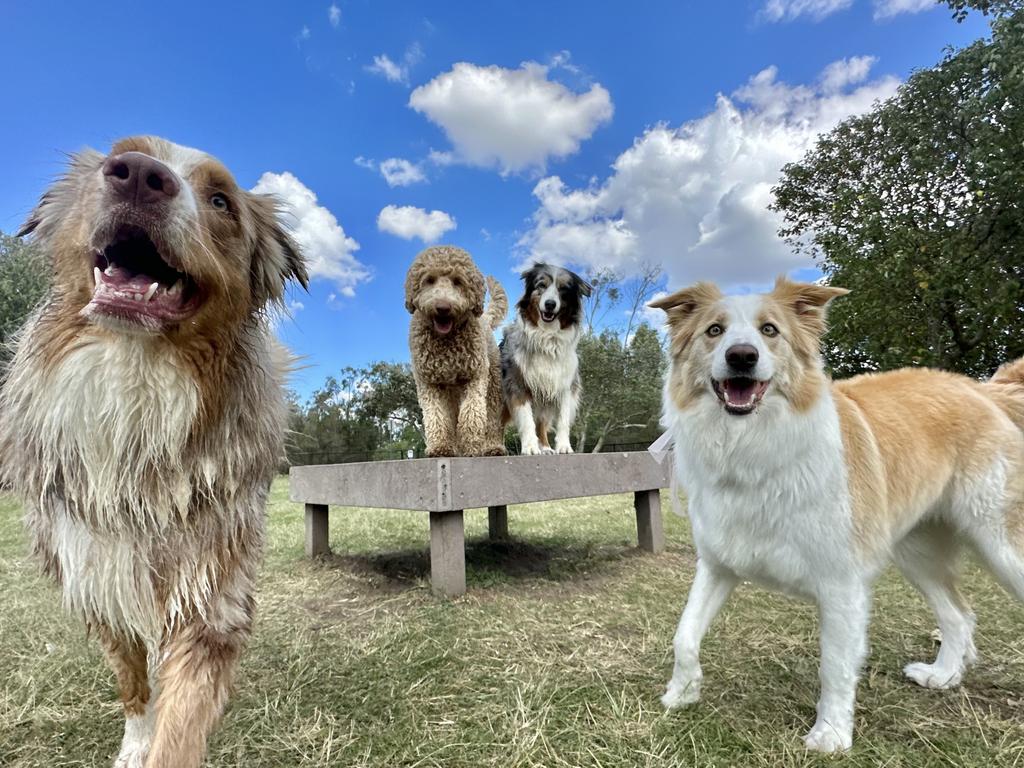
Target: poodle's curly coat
x: 454, y: 356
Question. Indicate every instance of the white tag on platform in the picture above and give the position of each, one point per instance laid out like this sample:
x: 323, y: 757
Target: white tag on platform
x: 661, y: 447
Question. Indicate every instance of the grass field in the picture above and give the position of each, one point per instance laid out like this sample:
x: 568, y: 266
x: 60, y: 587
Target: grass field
x: 555, y: 657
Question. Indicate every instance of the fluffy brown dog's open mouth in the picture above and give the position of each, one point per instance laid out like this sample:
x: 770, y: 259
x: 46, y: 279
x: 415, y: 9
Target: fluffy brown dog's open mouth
x: 740, y: 395
x: 134, y: 281
x: 443, y: 324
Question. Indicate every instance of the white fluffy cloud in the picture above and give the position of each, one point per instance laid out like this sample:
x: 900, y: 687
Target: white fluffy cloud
x: 329, y: 251
x: 694, y: 199
x: 512, y: 119
x: 886, y: 9
x: 397, y: 171
x: 393, y: 71
x: 408, y: 222
x: 334, y: 15
x: 787, y: 10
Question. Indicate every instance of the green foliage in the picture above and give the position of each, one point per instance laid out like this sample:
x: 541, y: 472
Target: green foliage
x: 24, y: 279
x: 916, y: 207
x: 621, y: 387
x: 987, y: 7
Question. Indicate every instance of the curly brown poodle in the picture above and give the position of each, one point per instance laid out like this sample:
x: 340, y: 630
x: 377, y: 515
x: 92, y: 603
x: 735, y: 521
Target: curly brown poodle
x: 454, y: 356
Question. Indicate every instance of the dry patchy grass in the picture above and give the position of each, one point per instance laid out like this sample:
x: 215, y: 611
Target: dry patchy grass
x: 556, y: 657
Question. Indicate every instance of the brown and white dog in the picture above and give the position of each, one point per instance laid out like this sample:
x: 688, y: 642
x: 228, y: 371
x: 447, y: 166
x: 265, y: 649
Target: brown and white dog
x: 540, y: 373
x: 141, y: 420
x: 811, y: 487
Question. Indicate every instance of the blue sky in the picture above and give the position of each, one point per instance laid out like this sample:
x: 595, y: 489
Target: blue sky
x: 594, y: 134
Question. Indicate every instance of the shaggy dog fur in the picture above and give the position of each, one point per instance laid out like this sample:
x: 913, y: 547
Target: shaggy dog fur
x: 454, y: 355
x: 539, y: 367
x: 812, y: 487
x: 141, y: 420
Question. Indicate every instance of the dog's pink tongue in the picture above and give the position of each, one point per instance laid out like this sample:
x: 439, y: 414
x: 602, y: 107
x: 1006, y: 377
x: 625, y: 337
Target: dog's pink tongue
x: 443, y: 326
x: 740, y: 391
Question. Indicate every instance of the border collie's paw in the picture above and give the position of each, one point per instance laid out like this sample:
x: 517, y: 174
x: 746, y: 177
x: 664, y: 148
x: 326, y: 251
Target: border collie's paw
x: 681, y: 695
x: 547, y: 451
x: 530, y: 450
x: 825, y: 737
x: 932, y: 676
x: 566, y: 448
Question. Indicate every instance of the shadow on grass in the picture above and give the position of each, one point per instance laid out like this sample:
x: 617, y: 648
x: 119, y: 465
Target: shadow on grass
x: 489, y: 562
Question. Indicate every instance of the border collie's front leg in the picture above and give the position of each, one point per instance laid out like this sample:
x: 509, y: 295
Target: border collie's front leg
x: 565, y: 417
x: 129, y: 659
x: 711, y: 587
x: 844, y: 615
x: 195, y: 679
x: 526, y: 426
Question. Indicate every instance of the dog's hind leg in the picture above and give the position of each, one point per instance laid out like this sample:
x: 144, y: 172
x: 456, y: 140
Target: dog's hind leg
x: 195, y: 680
x: 711, y: 587
x: 928, y: 558
x: 128, y: 658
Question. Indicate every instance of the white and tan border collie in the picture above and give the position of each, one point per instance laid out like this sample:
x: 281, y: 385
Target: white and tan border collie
x: 539, y: 367
x: 141, y: 420
x: 811, y: 487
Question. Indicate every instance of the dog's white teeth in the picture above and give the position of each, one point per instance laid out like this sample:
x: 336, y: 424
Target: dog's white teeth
x: 137, y: 296
x: 96, y: 276
x: 151, y: 290
x: 175, y: 289
x: 109, y: 270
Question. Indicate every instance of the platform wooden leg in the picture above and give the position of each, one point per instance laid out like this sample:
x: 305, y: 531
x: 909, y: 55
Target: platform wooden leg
x: 316, y: 530
x: 447, y: 553
x: 649, y: 529
x: 497, y: 523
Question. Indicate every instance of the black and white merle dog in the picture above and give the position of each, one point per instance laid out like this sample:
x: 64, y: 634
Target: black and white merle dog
x: 539, y: 368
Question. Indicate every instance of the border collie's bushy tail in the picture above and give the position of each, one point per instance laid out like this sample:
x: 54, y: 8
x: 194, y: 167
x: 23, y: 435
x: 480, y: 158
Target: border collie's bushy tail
x: 497, y: 307
x: 1006, y: 387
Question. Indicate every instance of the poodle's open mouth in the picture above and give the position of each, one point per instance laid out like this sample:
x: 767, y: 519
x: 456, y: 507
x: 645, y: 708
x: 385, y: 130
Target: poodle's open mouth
x: 135, y: 282
x: 443, y: 324
x: 740, y: 395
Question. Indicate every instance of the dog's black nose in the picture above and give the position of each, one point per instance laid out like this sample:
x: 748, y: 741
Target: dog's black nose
x: 138, y: 178
x: 549, y: 305
x: 443, y: 309
x: 741, y: 357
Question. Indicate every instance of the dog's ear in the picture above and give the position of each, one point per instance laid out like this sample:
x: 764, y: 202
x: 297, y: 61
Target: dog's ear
x: 582, y: 285
x: 528, y: 274
x: 36, y: 217
x: 276, y: 258
x: 686, y: 301
x: 476, y: 285
x: 808, y: 301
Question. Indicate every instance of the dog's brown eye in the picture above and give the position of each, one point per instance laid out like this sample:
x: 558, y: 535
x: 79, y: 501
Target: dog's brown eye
x: 220, y: 202
x: 456, y: 282
x: 430, y: 280
x: 769, y: 329
x: 714, y: 330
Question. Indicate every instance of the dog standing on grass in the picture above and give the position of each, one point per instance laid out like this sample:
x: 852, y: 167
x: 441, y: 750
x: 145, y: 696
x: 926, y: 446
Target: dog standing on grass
x: 540, y: 370
x: 812, y: 487
x: 141, y: 419
x: 454, y: 355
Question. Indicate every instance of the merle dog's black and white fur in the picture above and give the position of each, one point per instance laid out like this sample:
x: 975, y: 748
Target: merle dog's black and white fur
x: 539, y: 367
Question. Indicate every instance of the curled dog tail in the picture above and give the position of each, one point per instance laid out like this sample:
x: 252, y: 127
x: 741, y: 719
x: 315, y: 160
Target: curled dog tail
x: 1006, y: 387
x: 497, y: 307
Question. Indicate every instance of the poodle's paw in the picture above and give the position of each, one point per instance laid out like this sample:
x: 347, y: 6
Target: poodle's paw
x: 440, y: 451
x: 681, y: 694
x: 495, y: 450
x: 828, y: 738
x: 562, y: 447
x: 932, y: 675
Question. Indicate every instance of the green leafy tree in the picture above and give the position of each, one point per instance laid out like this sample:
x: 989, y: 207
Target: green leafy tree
x: 24, y: 280
x: 621, y: 387
x: 389, y: 400
x: 916, y: 207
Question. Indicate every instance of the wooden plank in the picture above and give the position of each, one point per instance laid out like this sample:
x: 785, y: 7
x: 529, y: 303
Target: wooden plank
x: 404, y: 484
x: 650, y: 530
x: 489, y: 481
x: 317, y: 542
x: 447, y: 554
x: 468, y: 483
x: 497, y: 523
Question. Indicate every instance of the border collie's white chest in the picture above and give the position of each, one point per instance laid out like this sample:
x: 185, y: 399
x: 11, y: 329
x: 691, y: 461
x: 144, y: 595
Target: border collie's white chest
x: 767, y: 493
